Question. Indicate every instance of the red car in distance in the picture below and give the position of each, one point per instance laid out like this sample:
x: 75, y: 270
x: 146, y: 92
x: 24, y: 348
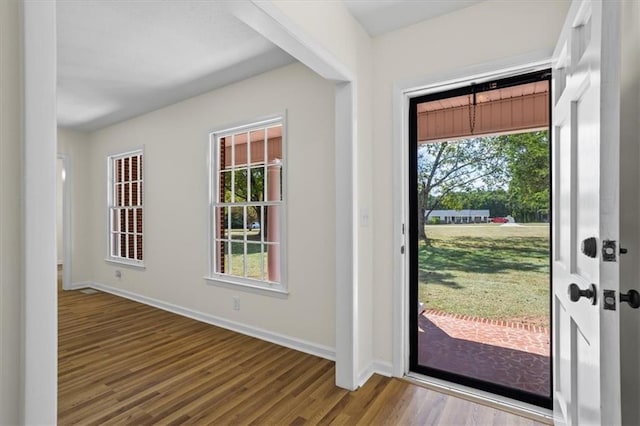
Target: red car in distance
x: 498, y: 220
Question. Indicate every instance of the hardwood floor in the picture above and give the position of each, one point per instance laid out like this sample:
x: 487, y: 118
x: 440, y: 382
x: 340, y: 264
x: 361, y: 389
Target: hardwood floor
x: 121, y: 362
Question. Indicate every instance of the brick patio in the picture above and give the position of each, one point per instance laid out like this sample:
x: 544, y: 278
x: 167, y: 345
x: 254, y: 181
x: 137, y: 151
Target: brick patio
x: 508, y: 354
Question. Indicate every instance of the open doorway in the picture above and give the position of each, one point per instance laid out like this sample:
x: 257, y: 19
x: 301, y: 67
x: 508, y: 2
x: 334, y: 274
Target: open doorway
x: 479, y: 161
x: 63, y: 221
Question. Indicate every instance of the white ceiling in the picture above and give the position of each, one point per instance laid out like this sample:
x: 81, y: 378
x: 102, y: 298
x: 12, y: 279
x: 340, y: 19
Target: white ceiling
x: 121, y: 58
x: 381, y: 16
x: 118, y: 59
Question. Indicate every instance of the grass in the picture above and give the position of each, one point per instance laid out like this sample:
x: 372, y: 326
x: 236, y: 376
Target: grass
x: 487, y: 271
x: 256, y: 259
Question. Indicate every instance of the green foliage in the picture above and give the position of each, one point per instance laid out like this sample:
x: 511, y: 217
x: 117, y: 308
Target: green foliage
x: 528, y: 159
x: 455, y: 167
x: 508, y: 174
x: 241, y: 187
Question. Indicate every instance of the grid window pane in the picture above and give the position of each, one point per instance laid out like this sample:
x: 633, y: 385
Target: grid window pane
x: 257, y: 146
x: 257, y: 183
x: 139, y: 247
x: 126, y: 195
x: 134, y: 194
x: 118, y: 170
x: 139, y: 221
x: 237, y: 259
x: 272, y: 234
x: 126, y: 217
x: 238, y: 223
x: 247, y: 203
x: 130, y: 221
x: 240, y: 185
x: 118, y: 201
x: 254, y: 260
x: 122, y: 227
x: 126, y: 169
x: 225, y: 187
x: 134, y: 168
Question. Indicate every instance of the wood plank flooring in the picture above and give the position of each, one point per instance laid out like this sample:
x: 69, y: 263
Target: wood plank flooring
x: 122, y: 362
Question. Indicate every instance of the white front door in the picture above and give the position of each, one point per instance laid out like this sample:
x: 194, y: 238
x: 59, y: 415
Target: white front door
x: 586, y: 109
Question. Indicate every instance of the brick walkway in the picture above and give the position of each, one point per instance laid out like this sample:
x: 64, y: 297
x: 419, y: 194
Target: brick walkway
x: 505, y: 354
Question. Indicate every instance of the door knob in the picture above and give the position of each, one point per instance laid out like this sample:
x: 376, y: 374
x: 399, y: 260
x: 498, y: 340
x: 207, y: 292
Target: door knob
x: 632, y: 298
x: 575, y: 293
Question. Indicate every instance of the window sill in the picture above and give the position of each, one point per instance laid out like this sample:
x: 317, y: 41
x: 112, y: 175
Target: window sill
x: 247, y: 286
x: 137, y: 265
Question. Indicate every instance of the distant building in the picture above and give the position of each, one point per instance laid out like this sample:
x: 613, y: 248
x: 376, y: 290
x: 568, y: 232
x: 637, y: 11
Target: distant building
x: 458, y: 216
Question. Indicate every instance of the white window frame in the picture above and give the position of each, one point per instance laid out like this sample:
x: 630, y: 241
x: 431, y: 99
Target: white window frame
x: 111, y: 204
x: 226, y: 279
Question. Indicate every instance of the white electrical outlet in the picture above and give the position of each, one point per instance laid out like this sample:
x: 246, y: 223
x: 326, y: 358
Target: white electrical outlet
x: 236, y: 303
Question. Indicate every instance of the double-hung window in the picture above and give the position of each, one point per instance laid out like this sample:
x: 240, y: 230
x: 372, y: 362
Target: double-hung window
x: 247, y: 205
x: 126, y: 211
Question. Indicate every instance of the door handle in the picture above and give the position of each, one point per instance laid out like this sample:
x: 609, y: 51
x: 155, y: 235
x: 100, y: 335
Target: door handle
x: 575, y: 293
x: 632, y: 298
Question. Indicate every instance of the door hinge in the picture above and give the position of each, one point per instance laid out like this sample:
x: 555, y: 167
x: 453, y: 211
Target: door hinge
x: 402, y: 250
x: 609, y: 251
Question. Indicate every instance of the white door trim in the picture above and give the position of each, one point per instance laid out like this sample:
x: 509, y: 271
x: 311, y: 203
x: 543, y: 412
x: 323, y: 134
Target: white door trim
x: 40, y: 310
x: 402, y: 93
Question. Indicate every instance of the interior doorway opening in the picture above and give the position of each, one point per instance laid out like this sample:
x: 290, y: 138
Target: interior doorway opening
x: 480, y: 279
x: 63, y: 221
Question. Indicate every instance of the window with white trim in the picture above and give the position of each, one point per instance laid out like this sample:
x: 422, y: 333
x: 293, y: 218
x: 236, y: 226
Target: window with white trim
x: 126, y: 208
x: 247, y: 204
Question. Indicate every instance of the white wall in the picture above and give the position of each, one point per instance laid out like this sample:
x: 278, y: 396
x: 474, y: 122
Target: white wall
x: 630, y: 203
x: 10, y: 212
x: 488, y: 31
x: 175, y: 143
x: 75, y: 145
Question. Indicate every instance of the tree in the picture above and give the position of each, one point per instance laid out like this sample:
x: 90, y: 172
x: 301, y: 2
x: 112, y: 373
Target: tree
x: 528, y: 160
x: 456, y: 166
x: 496, y: 201
x: 256, y: 175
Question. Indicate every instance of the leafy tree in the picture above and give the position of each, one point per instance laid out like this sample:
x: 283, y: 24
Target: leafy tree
x: 256, y: 176
x: 497, y: 201
x: 457, y: 166
x: 528, y: 160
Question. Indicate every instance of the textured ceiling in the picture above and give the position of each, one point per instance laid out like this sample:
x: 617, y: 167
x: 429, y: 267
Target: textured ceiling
x: 121, y: 58
x: 381, y: 16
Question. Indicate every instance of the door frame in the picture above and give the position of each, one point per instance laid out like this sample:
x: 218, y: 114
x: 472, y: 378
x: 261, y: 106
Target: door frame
x: 414, y: 365
x: 403, y: 92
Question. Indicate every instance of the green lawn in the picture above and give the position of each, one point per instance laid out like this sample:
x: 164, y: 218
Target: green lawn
x: 257, y: 260
x: 487, y: 271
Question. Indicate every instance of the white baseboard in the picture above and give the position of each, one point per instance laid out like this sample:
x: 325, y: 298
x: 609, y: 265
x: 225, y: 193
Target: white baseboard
x: 383, y: 368
x: 279, y: 339
x: 80, y: 284
x: 376, y: 367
